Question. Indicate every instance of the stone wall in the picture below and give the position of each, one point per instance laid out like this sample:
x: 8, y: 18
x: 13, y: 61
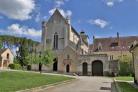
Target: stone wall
x: 136, y: 63
x: 89, y: 59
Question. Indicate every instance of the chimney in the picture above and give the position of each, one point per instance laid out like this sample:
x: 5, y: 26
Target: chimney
x: 93, y: 41
x: 68, y: 20
x: 93, y: 38
x: 84, y: 36
x: 117, y: 35
x: 118, y: 39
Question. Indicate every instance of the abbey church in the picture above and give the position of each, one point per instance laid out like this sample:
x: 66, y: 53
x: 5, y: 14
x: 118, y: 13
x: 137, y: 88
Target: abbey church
x: 73, y: 52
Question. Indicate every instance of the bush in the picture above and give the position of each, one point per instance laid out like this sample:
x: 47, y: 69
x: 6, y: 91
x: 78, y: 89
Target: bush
x: 18, y: 66
x: 125, y: 69
x: 11, y: 66
x: 15, y: 66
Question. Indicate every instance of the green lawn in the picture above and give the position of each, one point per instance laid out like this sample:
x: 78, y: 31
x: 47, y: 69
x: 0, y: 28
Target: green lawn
x: 126, y: 87
x: 13, y: 81
x: 124, y: 78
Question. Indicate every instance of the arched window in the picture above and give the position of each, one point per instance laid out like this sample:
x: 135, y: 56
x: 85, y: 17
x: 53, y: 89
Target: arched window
x: 7, y: 55
x: 68, y: 57
x: 55, y: 41
x: 99, y: 46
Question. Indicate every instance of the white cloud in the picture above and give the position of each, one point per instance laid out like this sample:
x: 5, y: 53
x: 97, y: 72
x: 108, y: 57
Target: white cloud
x: 22, y: 31
x: 111, y: 3
x: 99, y: 22
x: 17, y: 9
x: 38, y: 17
x: 58, y: 3
x: 67, y: 13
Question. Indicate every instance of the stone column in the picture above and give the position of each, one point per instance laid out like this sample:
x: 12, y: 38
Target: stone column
x: 89, y: 69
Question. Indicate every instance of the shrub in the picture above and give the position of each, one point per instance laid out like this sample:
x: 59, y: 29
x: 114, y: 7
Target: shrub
x: 11, y: 66
x: 15, y: 66
x: 125, y: 69
x: 18, y: 66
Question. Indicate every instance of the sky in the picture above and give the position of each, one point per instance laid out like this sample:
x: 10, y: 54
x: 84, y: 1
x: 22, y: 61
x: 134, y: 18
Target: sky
x: 99, y: 18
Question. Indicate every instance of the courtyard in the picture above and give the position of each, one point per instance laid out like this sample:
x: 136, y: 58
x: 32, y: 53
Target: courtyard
x: 84, y: 84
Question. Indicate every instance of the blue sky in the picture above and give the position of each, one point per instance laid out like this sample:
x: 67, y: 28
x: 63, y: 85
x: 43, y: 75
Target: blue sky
x: 102, y: 18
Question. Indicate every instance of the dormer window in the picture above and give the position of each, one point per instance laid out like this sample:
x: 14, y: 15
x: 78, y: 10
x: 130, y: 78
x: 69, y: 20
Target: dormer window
x: 99, y: 46
x: 114, y: 44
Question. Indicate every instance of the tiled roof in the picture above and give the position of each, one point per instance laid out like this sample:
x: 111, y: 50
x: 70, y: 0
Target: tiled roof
x: 113, y: 44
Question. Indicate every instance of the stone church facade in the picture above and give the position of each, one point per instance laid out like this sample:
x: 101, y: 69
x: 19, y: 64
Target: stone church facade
x: 71, y: 49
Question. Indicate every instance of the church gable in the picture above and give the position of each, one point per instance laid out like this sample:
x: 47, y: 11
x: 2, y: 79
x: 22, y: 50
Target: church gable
x: 56, y: 31
x: 57, y: 18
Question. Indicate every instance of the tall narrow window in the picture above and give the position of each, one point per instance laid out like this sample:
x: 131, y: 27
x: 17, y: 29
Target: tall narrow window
x: 7, y: 55
x: 56, y: 41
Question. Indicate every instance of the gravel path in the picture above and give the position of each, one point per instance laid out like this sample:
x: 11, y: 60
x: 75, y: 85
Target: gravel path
x: 84, y: 84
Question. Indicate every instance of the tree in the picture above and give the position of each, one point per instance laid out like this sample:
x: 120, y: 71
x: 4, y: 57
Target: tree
x: 1, y: 45
x: 46, y: 58
x: 125, y: 65
x: 22, y: 54
x: 41, y: 58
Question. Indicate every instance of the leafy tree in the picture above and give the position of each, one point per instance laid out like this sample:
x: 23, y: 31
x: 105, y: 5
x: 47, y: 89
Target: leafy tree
x: 41, y: 58
x: 1, y: 46
x: 33, y: 58
x: 22, y: 54
x: 46, y: 58
x: 125, y: 65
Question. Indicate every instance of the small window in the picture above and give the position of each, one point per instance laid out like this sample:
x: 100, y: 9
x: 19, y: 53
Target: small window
x: 68, y: 57
x: 111, y: 57
x: 114, y: 44
x: 7, y: 55
x: 99, y: 47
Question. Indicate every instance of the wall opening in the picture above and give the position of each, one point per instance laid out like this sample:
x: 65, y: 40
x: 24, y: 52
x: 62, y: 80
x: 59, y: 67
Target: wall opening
x: 85, y: 68
x: 55, y: 65
x: 97, y: 68
x: 68, y: 68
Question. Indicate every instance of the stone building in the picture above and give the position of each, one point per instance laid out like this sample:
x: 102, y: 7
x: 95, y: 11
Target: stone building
x: 71, y: 48
x: 75, y: 55
x: 134, y: 51
x: 114, y: 47
x: 6, y: 58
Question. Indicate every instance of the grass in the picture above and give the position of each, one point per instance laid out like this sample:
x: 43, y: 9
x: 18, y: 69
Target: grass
x: 124, y: 78
x: 14, y: 81
x: 126, y: 87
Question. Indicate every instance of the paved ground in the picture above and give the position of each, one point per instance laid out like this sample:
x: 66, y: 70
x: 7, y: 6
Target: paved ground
x: 84, y: 84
